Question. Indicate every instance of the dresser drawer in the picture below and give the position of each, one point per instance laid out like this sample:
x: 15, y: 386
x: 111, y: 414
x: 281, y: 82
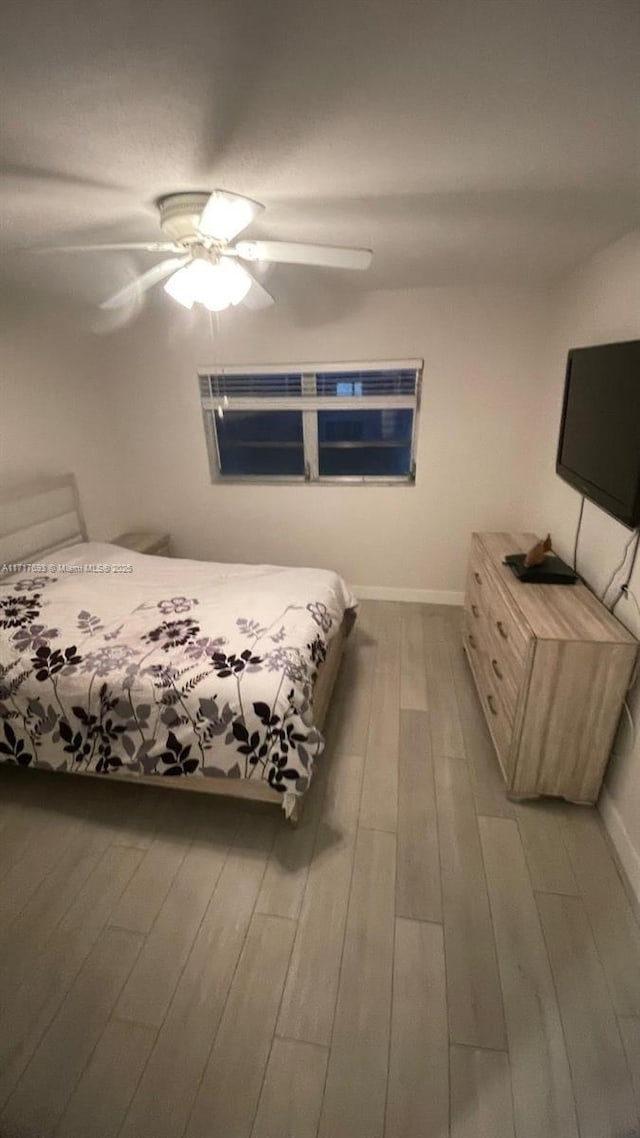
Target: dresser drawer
x: 496, y: 647
x: 498, y: 721
x: 478, y: 581
x: 507, y: 668
x: 476, y: 620
x: 506, y: 630
x: 507, y: 626
x: 473, y: 637
x: 475, y: 602
x: 477, y: 591
x: 500, y: 683
x: 486, y: 602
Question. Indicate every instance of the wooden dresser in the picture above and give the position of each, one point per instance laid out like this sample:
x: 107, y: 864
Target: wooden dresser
x: 551, y: 665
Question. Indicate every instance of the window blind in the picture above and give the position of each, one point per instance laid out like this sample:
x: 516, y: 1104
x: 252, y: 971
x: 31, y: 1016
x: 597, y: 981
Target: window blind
x: 252, y: 385
x: 305, y: 387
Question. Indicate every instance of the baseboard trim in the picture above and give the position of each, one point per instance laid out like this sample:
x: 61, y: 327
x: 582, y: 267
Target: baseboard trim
x: 416, y: 596
x: 626, y: 856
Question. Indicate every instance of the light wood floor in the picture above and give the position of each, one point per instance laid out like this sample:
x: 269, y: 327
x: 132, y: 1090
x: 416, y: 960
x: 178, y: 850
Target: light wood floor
x: 420, y: 959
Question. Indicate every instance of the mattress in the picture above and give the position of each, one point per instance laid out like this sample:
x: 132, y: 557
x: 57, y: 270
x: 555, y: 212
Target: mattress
x: 114, y: 661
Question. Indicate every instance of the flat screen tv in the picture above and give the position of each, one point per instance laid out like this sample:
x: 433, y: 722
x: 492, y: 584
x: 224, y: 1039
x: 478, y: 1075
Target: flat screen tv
x: 599, y: 445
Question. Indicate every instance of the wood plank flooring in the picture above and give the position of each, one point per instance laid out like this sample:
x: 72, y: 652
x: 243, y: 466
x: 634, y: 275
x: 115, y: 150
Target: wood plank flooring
x: 420, y: 959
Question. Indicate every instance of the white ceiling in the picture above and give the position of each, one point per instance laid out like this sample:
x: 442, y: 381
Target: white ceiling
x: 463, y: 140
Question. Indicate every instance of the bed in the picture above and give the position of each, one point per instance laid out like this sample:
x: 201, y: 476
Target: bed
x: 118, y: 664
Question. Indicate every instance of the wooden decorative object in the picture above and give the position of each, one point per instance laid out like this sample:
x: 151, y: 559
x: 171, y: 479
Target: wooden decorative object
x: 538, y: 552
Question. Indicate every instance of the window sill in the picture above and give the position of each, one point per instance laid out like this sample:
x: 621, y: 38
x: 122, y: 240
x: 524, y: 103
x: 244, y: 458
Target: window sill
x: 346, y: 481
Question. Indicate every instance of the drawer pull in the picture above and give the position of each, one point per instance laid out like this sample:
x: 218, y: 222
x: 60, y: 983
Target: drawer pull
x: 502, y: 630
x: 478, y: 578
x: 472, y: 640
x: 496, y: 668
x: 492, y: 705
x: 475, y: 610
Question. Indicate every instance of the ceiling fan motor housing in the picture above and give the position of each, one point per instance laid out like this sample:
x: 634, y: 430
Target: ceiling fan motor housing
x: 180, y: 214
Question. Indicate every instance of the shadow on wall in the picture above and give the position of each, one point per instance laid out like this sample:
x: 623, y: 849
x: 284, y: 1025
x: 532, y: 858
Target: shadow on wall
x: 318, y: 296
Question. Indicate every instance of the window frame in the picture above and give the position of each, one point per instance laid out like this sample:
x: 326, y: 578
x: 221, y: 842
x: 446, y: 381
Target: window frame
x: 308, y: 373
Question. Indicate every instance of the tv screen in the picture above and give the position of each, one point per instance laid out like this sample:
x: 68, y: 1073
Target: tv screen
x: 599, y: 445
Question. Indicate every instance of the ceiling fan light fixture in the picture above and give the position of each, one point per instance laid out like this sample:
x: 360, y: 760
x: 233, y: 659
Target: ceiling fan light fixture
x: 180, y: 287
x: 220, y: 284
x: 237, y: 280
x: 227, y: 214
x: 215, y: 284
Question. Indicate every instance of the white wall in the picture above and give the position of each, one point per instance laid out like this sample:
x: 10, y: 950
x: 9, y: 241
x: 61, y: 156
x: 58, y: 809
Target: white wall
x: 479, y: 348
x: 55, y: 412
x: 123, y: 413
x: 597, y: 304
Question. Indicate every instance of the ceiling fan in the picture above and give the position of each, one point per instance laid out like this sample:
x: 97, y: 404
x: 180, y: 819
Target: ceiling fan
x: 206, y: 264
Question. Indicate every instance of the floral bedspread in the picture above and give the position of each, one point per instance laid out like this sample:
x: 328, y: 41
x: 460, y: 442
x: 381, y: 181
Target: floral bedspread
x: 117, y: 661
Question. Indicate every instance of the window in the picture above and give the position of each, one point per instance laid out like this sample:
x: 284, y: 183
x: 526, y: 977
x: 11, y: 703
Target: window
x: 313, y: 423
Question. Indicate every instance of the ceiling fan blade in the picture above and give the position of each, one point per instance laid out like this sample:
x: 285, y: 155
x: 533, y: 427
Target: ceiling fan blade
x: 142, y: 246
x: 145, y: 281
x: 257, y: 296
x: 295, y: 253
x: 226, y: 215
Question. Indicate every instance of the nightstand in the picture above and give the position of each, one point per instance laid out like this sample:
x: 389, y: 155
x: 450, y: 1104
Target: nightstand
x: 144, y: 542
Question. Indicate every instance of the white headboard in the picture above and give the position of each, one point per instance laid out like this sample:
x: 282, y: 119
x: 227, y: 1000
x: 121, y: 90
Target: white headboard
x: 40, y: 518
